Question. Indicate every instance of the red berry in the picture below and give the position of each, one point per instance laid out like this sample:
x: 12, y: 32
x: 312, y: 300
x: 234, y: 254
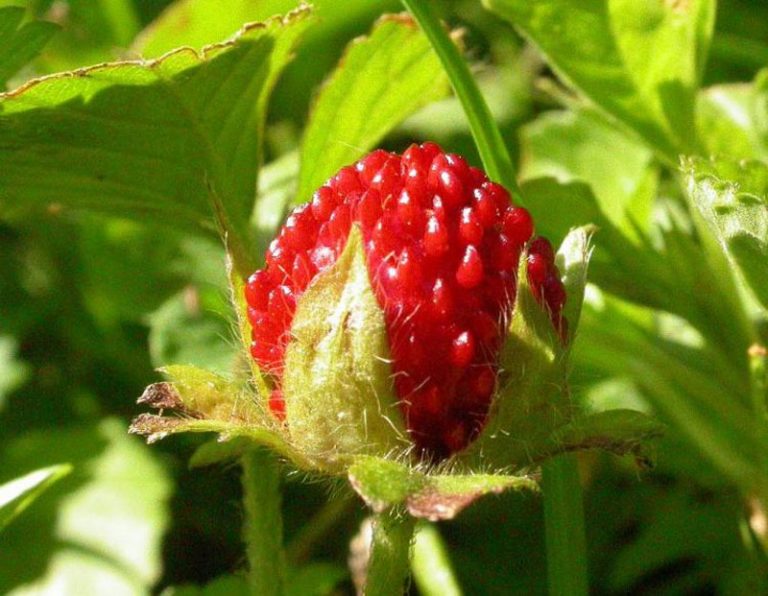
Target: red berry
x: 442, y: 245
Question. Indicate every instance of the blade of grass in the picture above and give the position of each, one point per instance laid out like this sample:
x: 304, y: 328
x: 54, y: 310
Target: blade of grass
x: 490, y: 144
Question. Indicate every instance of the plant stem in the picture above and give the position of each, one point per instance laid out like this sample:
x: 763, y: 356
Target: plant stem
x: 490, y: 144
x: 263, y: 524
x: 564, y: 527
x: 431, y: 566
x: 390, y: 546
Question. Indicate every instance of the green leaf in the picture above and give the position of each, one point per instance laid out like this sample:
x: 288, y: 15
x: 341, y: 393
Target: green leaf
x: 733, y: 119
x: 572, y: 260
x: 732, y: 197
x: 20, y: 43
x: 667, y: 275
x: 692, y: 389
x: 192, y: 327
x: 18, y: 494
x: 639, y: 61
x: 381, y: 80
x: 583, y: 146
x: 203, y: 402
x: 337, y: 381
x: 92, y: 31
x: 98, y: 529
x: 177, y: 138
x: 384, y: 484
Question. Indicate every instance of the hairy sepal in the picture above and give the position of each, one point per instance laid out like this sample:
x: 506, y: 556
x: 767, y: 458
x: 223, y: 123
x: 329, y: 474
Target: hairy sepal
x: 337, y: 382
x: 533, y: 417
x: 386, y: 484
x: 199, y: 401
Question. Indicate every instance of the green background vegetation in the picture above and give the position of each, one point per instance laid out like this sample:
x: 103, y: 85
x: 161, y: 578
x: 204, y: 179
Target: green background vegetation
x: 111, y: 266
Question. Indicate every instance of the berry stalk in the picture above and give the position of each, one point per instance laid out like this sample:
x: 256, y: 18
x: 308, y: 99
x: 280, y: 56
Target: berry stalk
x: 263, y: 523
x: 390, y: 548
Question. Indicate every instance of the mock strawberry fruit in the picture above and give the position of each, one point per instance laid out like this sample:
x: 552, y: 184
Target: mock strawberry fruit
x: 442, y: 247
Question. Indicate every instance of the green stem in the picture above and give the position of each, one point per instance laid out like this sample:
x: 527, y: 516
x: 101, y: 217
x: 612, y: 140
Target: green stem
x: 564, y: 527
x: 263, y: 524
x: 390, y: 547
x: 490, y: 144
x: 431, y: 566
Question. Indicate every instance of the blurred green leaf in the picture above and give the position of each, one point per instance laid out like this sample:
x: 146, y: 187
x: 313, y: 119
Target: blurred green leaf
x: 683, y: 528
x: 18, y: 494
x: 20, y: 43
x: 381, y: 79
x: 692, y: 389
x: 315, y: 579
x: 96, y: 531
x: 733, y: 119
x: 640, y: 61
x: 194, y: 327
x: 12, y: 371
x: 178, y: 138
x: 90, y: 31
x: 583, y: 146
x: 732, y: 197
x: 675, y: 274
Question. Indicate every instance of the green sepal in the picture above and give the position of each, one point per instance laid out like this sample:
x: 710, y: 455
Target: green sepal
x: 202, y: 402
x: 573, y: 259
x: 532, y: 397
x: 621, y: 432
x: 384, y: 484
x: 237, y: 296
x: 337, y: 382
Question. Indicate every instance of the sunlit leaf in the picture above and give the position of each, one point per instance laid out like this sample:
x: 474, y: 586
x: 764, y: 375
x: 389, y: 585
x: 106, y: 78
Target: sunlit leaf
x: 582, y: 146
x: 18, y: 494
x: 381, y: 79
x: 100, y: 528
x: 733, y: 119
x: 176, y: 138
x: 640, y: 61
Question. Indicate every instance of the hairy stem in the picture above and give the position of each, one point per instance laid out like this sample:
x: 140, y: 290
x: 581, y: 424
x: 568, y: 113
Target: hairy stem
x: 263, y: 524
x: 390, y: 546
x: 430, y: 564
x: 564, y: 527
x: 486, y: 133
